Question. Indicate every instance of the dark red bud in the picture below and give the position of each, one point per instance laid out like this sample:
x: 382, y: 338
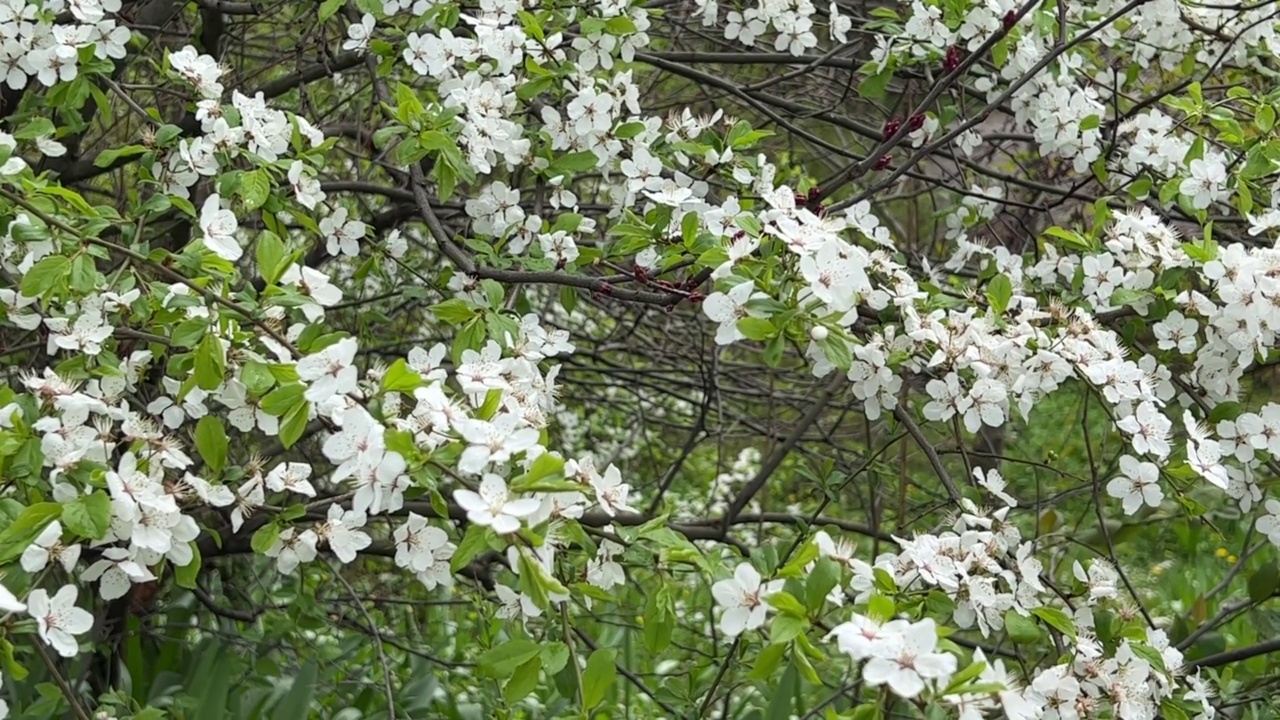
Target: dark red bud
x: 813, y: 201
x: 916, y: 122
x: 883, y: 162
x: 954, y: 56
x: 1010, y: 19
x: 891, y: 127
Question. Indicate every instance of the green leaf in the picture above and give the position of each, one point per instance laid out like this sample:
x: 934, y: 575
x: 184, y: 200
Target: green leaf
x: 868, y: 712
x: 1201, y: 252
x: 329, y: 8
x: 741, y: 136
x: 188, y: 333
x: 1265, y: 118
x: 620, y: 25
x: 264, y: 538
x: 544, y: 467
x: 294, y: 423
x: 572, y: 163
x: 254, y: 189
x: 796, y: 567
x: 167, y: 133
x: 186, y: 575
x: 493, y: 293
x: 880, y: 607
x: 1244, y: 197
x: 211, y: 441
x: 84, y: 275
x: 824, y: 576
x: 1127, y: 296
x: 787, y: 604
x: 11, y: 665
x: 629, y: 130
x: 689, y: 228
x: 1056, y: 619
x: 555, y: 655
x: 1070, y: 239
x: 536, y: 582
x: 568, y: 299
x: 28, y: 231
x: 256, y: 377
x: 523, y: 681
x: 215, y: 674
x: 873, y: 86
x: 1140, y: 188
x: 24, y: 529
x: 964, y: 676
x: 787, y: 627
x: 756, y: 328
x: 474, y: 542
x: 283, y: 399
x: 1170, y: 710
x: 782, y: 706
x: 837, y: 351
x: 107, y: 158
x: 445, y: 176
x: 453, y: 311
x: 296, y: 704
x: 767, y: 661
x: 88, y: 516
x: 1021, y: 630
x: 1225, y: 411
x: 492, y: 401
x: 774, y: 349
x: 597, y: 678
x: 37, y: 127
x: 802, y: 664
x: 502, y: 661
x: 400, y: 378
x: 270, y: 253
x: 211, y: 363
x: 1148, y: 653
x: 1263, y: 581
x: 1258, y: 163
x: 659, y: 621
x: 1195, y: 152
x: 74, y: 198
x: 44, y: 275
x: 999, y: 293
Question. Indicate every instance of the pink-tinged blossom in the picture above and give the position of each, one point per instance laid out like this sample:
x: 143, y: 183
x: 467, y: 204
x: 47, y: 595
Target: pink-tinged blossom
x: 493, y: 506
x: 910, y: 662
x: 219, y: 227
x: 58, y: 620
x: 742, y: 599
x: 1138, y: 484
x: 330, y: 371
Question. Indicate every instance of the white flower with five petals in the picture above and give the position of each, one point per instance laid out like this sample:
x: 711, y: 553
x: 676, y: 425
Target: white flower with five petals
x: 493, y: 506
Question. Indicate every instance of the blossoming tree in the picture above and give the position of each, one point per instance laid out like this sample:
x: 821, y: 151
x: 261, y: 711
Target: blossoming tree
x: 680, y: 359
